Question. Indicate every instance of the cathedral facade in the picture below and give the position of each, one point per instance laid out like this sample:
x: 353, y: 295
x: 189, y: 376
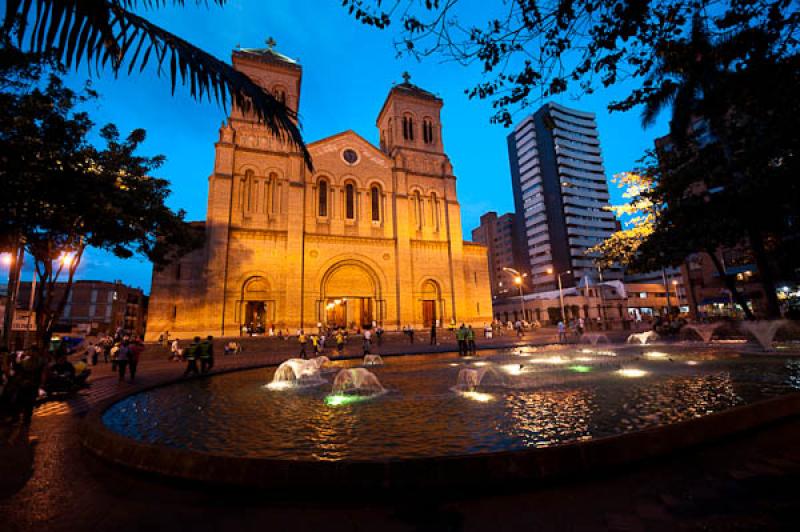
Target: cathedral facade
x: 371, y: 235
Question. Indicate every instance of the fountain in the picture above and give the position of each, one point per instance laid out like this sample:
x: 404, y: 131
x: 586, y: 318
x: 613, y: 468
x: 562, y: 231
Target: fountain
x: 373, y: 360
x: 320, y: 361
x: 642, y: 338
x: 704, y: 330
x: 594, y: 338
x: 764, y: 331
x: 356, y: 381
x: 468, y: 379
x: 297, y: 373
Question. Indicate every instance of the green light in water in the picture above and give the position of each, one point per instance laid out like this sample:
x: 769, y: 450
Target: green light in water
x: 580, y: 369
x: 341, y: 399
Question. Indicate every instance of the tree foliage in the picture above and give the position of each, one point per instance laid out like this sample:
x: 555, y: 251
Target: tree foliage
x: 61, y: 194
x: 109, y: 33
x: 531, y: 50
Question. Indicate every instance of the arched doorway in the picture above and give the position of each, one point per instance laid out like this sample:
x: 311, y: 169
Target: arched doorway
x: 257, y: 309
x: 350, y: 296
x: 429, y: 299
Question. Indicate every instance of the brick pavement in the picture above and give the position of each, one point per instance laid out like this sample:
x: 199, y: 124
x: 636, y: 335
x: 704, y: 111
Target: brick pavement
x: 747, y: 483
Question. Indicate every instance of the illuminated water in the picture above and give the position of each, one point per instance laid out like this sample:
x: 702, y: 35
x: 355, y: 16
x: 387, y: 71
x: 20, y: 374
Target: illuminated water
x: 546, y: 397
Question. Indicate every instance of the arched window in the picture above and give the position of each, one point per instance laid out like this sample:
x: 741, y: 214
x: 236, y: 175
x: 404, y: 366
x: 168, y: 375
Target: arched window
x: 435, y: 211
x: 427, y: 131
x: 391, y: 133
x: 248, y: 191
x: 350, y: 201
x: 375, y: 197
x: 419, y: 211
x: 272, y: 188
x: 322, y: 205
x: 408, y: 128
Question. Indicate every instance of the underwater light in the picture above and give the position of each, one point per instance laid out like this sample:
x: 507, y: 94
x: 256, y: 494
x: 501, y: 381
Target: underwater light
x: 656, y: 355
x: 279, y: 385
x: 583, y: 359
x: 479, y: 364
x: 478, y: 396
x: 342, y: 399
x: 512, y: 369
x: 632, y: 372
x: 580, y: 369
x: 692, y: 362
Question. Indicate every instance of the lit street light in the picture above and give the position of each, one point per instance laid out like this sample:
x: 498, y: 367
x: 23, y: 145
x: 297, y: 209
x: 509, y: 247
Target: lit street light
x: 560, y: 292
x: 518, y: 281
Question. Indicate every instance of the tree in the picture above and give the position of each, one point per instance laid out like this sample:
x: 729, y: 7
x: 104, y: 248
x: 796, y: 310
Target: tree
x: 532, y: 50
x: 62, y: 195
x: 107, y: 33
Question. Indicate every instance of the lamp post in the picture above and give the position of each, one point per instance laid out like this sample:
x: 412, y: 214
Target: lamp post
x: 677, y: 296
x: 518, y: 281
x: 560, y: 292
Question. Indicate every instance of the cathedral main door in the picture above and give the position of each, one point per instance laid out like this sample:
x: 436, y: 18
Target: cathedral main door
x: 350, y: 296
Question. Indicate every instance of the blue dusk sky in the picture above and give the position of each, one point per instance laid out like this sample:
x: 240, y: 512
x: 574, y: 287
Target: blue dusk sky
x: 348, y: 69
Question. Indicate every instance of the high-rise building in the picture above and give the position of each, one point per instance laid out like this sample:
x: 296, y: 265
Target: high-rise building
x: 498, y: 234
x: 560, y: 195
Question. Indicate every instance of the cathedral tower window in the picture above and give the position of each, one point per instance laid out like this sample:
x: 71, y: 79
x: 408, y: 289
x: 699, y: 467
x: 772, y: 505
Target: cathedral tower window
x: 435, y: 211
x: 375, y: 197
x: 427, y: 131
x: 322, y: 204
x: 350, y: 201
x: 408, y: 127
x: 249, y: 188
x: 418, y: 209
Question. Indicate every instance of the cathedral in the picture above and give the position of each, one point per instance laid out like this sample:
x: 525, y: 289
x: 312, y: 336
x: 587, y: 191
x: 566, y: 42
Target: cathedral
x: 372, y: 235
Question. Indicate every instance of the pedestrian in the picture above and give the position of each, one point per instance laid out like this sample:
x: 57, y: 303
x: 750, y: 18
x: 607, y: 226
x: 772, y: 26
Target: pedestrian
x: 135, y: 351
x: 411, y: 333
x: 205, y: 353
x: 461, y: 338
x: 94, y: 354
x: 379, y: 335
x: 562, y: 332
x: 433, y: 334
x: 106, y: 349
x: 581, y: 325
x: 315, y: 344
x: 339, y: 342
x: 367, y: 343
x: 518, y: 327
x: 190, y: 354
x: 471, y: 340
x: 28, y: 374
x: 175, y: 350
x: 301, y: 338
x: 121, y: 358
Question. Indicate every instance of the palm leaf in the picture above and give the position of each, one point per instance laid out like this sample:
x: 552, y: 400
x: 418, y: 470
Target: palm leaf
x: 99, y: 31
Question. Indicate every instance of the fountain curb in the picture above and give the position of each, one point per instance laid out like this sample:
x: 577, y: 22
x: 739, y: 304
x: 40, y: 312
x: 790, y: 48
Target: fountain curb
x: 488, y: 469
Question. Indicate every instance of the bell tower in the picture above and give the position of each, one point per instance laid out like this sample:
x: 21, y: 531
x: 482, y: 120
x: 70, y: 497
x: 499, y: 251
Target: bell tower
x: 410, y: 118
x: 276, y: 73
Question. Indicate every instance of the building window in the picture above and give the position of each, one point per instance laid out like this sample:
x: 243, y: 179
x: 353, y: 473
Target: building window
x: 408, y: 128
x: 375, y: 194
x: 322, y: 208
x: 418, y: 207
x: 174, y: 311
x: 427, y: 131
x: 350, y: 201
x: 435, y: 211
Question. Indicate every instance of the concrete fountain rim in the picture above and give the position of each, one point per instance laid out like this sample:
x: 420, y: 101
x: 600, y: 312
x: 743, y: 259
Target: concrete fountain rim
x: 487, y: 469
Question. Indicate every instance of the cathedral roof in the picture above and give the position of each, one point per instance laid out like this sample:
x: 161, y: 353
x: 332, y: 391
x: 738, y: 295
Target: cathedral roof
x: 410, y: 89
x: 267, y: 55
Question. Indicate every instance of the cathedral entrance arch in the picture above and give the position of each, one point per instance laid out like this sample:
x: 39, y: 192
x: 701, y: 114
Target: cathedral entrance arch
x: 430, y: 300
x: 350, y: 295
x: 256, y: 309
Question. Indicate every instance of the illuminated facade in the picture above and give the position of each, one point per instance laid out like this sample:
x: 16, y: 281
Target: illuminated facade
x: 371, y: 235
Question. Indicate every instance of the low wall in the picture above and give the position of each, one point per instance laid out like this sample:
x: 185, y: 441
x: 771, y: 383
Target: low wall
x: 529, y: 466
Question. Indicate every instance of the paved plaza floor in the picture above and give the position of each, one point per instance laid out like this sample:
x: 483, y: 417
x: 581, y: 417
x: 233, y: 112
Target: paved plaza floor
x: 751, y: 482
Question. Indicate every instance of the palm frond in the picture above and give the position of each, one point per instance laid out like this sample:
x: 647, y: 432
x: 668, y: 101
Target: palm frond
x: 106, y: 33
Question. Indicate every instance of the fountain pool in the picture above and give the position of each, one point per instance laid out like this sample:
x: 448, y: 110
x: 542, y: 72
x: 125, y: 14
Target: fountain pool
x: 584, y: 396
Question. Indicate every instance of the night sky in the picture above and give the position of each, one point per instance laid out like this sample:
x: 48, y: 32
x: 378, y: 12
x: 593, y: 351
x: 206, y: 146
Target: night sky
x: 348, y: 70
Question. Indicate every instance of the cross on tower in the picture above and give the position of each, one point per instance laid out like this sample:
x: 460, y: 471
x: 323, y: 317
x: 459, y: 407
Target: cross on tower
x: 406, y: 77
x: 270, y: 43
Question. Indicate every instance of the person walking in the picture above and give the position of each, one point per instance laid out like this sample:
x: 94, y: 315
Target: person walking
x: 367, y: 342
x: 302, y: 340
x: 175, y: 350
x: 471, y: 340
x: 122, y: 356
x: 562, y: 332
x: 433, y: 334
x: 339, y: 342
x: 379, y: 335
x: 190, y: 356
x: 461, y: 338
x: 106, y: 349
x: 411, y: 333
x: 205, y: 353
x: 134, y: 353
x: 315, y: 344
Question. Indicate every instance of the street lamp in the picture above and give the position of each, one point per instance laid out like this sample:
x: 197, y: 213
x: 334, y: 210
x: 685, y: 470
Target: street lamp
x: 677, y: 296
x: 560, y: 292
x: 518, y: 281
